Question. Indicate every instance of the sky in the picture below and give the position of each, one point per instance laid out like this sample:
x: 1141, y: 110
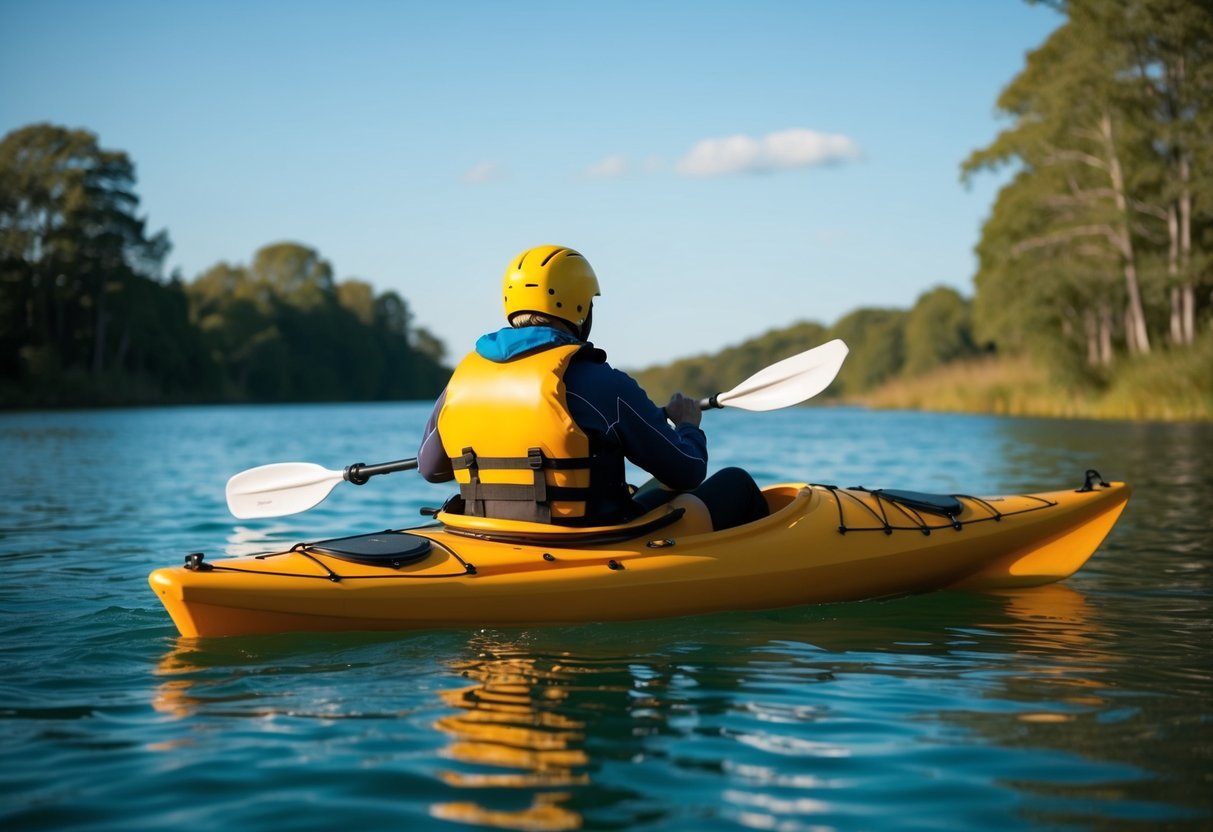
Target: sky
x: 727, y: 168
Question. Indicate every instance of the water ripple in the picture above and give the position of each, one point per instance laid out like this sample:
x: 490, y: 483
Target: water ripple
x: 1080, y: 705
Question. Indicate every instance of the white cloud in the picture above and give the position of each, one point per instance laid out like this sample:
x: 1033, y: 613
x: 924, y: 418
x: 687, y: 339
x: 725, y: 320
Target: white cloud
x: 797, y: 147
x: 612, y: 167
x: 481, y: 172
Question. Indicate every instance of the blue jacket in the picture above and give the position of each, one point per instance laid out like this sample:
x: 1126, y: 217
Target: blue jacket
x: 607, y: 404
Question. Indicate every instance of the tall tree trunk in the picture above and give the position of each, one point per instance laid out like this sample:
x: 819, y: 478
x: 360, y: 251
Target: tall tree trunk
x: 1105, y: 334
x: 1136, y: 335
x: 1176, y: 319
x: 1185, y: 250
x: 1189, y: 312
x: 1091, y: 324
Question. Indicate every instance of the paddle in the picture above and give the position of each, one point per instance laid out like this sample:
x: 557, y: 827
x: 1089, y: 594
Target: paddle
x: 291, y: 487
x: 785, y: 383
x: 283, y: 488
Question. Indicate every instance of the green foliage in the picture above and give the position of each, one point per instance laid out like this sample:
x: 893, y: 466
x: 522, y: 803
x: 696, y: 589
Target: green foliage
x: 293, y: 274
x: 884, y: 344
x: 358, y: 297
x: 283, y: 330
x: 707, y: 374
x: 82, y: 306
x: 938, y: 330
x: 86, y: 318
x: 876, y: 338
x: 1099, y: 246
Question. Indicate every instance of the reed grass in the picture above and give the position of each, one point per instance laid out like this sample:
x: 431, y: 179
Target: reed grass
x: 1167, y: 385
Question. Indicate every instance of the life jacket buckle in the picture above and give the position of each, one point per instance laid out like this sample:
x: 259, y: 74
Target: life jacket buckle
x: 473, y: 501
x: 534, y: 459
x: 469, y: 461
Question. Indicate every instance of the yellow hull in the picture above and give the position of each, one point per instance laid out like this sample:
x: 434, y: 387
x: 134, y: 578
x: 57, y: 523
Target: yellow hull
x: 797, y: 555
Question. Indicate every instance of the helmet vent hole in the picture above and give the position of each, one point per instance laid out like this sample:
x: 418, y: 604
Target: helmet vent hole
x: 532, y: 285
x: 559, y: 305
x: 553, y: 254
x: 579, y: 307
x: 551, y: 291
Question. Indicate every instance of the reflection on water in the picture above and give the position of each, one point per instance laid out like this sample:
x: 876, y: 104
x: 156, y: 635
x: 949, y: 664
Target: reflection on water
x: 1053, y: 631
x: 510, y: 721
x: 773, y: 719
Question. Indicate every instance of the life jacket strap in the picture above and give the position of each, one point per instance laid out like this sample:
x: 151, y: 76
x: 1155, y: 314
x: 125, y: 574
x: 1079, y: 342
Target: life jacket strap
x: 511, y: 462
x: 539, y: 493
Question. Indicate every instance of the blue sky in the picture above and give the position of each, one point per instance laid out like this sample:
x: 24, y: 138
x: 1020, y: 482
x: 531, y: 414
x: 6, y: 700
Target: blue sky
x: 727, y: 167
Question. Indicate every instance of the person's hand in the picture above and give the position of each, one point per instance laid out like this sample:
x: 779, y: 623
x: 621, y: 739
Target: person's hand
x: 681, y: 409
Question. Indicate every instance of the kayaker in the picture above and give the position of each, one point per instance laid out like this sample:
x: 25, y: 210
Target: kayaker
x: 535, y: 424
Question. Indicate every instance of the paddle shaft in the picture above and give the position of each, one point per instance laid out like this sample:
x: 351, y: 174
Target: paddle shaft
x: 360, y: 472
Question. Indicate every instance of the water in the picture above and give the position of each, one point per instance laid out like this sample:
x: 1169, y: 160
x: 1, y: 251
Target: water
x: 1083, y: 705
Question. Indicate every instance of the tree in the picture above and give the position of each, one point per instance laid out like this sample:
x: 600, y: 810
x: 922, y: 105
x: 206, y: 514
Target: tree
x: 1070, y: 133
x: 392, y: 314
x: 1110, y: 125
x: 938, y: 330
x: 86, y: 316
x: 876, y: 338
x: 73, y: 252
x: 706, y: 374
x: 283, y: 330
x: 293, y: 274
x: 358, y: 297
x: 1171, y: 46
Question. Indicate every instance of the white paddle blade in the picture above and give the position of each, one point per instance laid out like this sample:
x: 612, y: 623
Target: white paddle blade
x: 279, y: 489
x: 790, y: 381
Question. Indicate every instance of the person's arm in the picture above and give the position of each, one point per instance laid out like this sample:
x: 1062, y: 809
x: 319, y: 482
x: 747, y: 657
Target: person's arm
x: 432, y: 461
x: 677, y: 456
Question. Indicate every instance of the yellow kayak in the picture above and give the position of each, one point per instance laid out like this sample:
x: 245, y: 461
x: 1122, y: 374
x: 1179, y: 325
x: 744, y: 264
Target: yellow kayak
x: 819, y: 544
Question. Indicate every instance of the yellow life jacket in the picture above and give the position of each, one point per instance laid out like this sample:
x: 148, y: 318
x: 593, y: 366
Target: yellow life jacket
x: 515, y: 449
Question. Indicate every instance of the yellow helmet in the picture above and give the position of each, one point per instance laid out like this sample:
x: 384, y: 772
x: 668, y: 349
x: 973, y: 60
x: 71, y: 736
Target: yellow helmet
x: 551, y: 279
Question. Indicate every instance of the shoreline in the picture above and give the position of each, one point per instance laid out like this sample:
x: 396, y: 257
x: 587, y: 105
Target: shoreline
x: 1170, y: 388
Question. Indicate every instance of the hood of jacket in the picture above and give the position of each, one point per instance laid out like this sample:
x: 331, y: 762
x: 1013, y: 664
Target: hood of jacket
x: 509, y: 343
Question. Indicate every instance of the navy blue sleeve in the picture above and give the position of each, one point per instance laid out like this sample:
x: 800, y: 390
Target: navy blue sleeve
x: 432, y: 461
x: 610, y: 401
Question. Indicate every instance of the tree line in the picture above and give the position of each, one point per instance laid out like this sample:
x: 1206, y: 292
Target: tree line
x: 87, y: 316
x: 1099, y: 246
x: 884, y: 343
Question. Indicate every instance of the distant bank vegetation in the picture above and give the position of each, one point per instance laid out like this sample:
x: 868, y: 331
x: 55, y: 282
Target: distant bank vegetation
x: 926, y: 358
x: 1092, y: 295
x: 87, y: 317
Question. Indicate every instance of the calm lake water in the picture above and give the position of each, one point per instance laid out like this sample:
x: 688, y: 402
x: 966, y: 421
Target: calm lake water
x: 1083, y: 705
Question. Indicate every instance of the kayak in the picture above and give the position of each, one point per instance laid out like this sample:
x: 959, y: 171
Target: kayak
x: 819, y: 544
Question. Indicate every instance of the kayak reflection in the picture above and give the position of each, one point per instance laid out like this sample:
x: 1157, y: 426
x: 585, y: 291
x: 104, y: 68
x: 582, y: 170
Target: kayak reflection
x: 628, y: 724
x: 510, y: 729
x: 1060, y: 657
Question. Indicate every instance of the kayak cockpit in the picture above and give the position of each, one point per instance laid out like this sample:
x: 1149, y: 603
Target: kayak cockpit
x: 529, y: 533
x: 683, y: 514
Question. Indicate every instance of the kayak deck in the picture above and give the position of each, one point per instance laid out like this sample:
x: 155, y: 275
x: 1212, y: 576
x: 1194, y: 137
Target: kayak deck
x: 819, y: 544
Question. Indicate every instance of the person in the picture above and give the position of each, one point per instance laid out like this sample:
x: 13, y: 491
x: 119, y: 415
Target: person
x: 535, y: 425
